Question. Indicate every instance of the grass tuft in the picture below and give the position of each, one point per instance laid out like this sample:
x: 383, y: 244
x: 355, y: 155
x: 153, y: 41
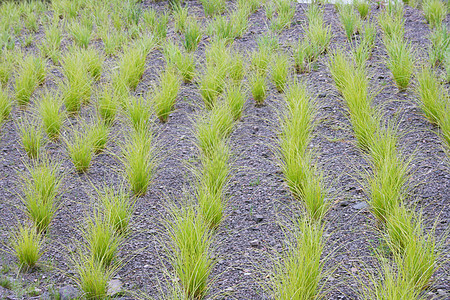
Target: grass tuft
x: 40, y: 190
x: 191, y: 244
x: 27, y: 245
x: 166, y: 93
x: 139, y: 160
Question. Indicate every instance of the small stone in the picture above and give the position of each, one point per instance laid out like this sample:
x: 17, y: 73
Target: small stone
x: 354, y: 270
x: 441, y: 292
x: 68, y: 292
x: 360, y: 205
x: 114, y: 287
x: 146, y: 266
x: 259, y: 218
x: 229, y: 289
x: 254, y: 243
x: 344, y: 203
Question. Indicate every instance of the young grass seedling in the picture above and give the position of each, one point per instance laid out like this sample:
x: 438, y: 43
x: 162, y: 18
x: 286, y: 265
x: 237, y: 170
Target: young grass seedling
x: 27, y: 245
x: 40, y: 189
x: 435, y: 12
x: 107, y: 105
x: 192, y: 35
x: 212, y: 128
x: 166, y: 94
x: 299, y: 272
x: 31, y: 136
x: 98, y: 136
x: 51, y: 114
x: 138, y: 112
x: 400, y: 61
x: 280, y: 71
x: 235, y: 97
x: 118, y: 208
x: 191, y: 244
x: 5, y: 105
x: 139, y: 160
x: 80, y: 148
x: 258, y: 87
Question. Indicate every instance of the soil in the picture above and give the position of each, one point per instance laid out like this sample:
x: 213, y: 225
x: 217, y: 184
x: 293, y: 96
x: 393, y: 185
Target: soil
x: 259, y: 201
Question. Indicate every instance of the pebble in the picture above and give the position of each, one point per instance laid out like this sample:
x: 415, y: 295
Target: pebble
x: 254, y: 243
x: 114, y: 287
x: 360, y: 205
x: 259, y: 218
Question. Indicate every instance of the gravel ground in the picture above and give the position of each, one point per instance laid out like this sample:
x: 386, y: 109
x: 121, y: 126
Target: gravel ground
x: 258, y: 199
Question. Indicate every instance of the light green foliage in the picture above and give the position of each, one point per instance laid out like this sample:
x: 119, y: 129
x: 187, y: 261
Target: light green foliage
x: 251, y: 6
x: 157, y: 24
x: 138, y: 112
x: 52, y: 117
x: 191, y: 245
x: 139, y: 160
x: 388, y: 284
x: 80, y: 148
x: 212, y: 185
x: 388, y: 184
x: 98, y: 135
x: 298, y: 273
x: 392, y: 25
x: 363, y: 7
x: 118, y: 208
x: 317, y: 33
x: 364, y: 50
x: 31, y: 74
x: 81, y: 33
x: 235, y: 97
x: 280, y: 71
x: 40, y: 187
x: 302, y: 54
x: 77, y: 87
x: 353, y: 84
x: 192, y: 35
x: 213, y: 7
x: 212, y: 128
x: 102, y: 242
x: 31, y: 136
x: 131, y: 66
x: 435, y: 12
x: 440, y: 45
x: 6, y: 65
x: 93, y: 62
x: 304, y: 180
x: 92, y: 277
x: 285, y: 14
x: 50, y: 47
x: 236, y: 68
x: 112, y: 39
x: 180, y: 18
x: 258, y: 87
x: 5, y: 105
x: 212, y: 84
x: 184, y: 62
x: 166, y: 93
x: 27, y: 245
x: 349, y: 19
x: 434, y: 101
x: 400, y: 61
x: 107, y: 105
